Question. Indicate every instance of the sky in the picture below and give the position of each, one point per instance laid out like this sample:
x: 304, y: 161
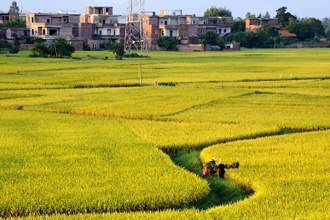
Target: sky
x: 302, y: 8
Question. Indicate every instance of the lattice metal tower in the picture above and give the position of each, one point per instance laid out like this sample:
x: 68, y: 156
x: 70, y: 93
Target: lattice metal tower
x: 135, y: 37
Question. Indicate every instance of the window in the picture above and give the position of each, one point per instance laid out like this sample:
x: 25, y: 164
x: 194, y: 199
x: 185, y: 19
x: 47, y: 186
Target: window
x: 103, y: 21
x: 224, y: 30
x: 156, y: 32
x: 163, y: 33
x: 194, y: 22
x: 48, y: 20
x: 32, y: 32
x: 100, y: 32
x: 165, y: 22
x: 66, y: 19
x: 53, y: 32
x: 32, y: 20
x: 43, y: 32
x: 162, y: 22
x: 202, y: 31
x: 114, y: 32
x: 74, y: 31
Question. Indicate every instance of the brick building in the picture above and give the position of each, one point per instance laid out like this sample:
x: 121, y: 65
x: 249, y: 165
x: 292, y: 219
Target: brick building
x: 49, y: 26
x: 186, y: 29
x: 7, y: 17
x: 253, y: 24
x: 93, y: 28
x: 99, y: 25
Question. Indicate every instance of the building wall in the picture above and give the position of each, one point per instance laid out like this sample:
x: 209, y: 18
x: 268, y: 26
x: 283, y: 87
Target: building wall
x: 253, y: 24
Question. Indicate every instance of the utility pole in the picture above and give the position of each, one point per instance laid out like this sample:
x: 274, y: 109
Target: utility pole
x: 140, y: 73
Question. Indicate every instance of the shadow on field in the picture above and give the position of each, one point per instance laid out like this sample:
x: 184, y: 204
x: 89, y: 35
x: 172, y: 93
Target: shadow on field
x: 222, y: 191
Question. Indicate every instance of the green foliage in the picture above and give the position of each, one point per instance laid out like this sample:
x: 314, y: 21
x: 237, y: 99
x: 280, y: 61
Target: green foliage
x: 221, y: 43
x: 249, y: 15
x: 13, y: 50
x: 167, y: 42
x: 238, y: 25
x: 210, y: 37
x: 15, y: 23
x: 217, y: 12
x: 267, y: 15
x: 307, y: 29
x: 40, y: 50
x: 326, y: 24
x: 118, y: 49
x: 284, y: 17
x: 61, y: 48
x: 13, y: 9
x: 34, y: 39
x: 265, y: 37
x: 86, y: 47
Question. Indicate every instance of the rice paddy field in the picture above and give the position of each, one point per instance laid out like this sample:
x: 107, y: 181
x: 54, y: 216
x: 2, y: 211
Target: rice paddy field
x: 81, y: 139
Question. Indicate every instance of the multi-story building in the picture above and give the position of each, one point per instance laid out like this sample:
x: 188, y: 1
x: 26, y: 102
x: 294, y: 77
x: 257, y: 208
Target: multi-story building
x: 253, y: 24
x: 99, y: 25
x: 93, y: 28
x: 49, y: 26
x: 186, y: 29
x: 7, y: 17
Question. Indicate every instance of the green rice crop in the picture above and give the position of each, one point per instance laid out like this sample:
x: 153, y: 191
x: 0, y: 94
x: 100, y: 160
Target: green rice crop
x: 290, y: 111
x: 127, y: 102
x: 78, y: 165
x: 290, y: 174
x: 51, y: 163
x: 172, y: 136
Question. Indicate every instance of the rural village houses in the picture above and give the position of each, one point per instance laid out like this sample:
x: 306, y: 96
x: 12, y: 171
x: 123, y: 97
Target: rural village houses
x: 99, y: 24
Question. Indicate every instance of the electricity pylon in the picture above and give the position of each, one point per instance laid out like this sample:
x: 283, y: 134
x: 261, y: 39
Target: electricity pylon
x: 134, y: 33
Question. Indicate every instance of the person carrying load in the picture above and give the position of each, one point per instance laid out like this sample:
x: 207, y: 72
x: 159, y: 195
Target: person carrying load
x: 212, y: 167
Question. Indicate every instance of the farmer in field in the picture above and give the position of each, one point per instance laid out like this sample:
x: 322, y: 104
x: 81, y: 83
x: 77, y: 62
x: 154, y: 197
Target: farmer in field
x: 213, y: 169
x: 219, y: 167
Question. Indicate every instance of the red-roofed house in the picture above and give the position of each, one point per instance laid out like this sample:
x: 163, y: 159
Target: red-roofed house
x: 286, y: 33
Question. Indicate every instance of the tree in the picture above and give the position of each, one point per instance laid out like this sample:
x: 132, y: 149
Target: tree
x: 210, y: 37
x: 326, y: 23
x: 283, y: 17
x: 267, y: 15
x: 18, y: 23
x: 34, y: 39
x: 40, y: 50
x: 307, y: 29
x: 167, y: 42
x: 13, y: 9
x: 61, y: 48
x: 238, y: 25
x: 217, y: 12
x: 117, y: 49
x: 264, y: 37
x: 249, y: 15
x: 221, y: 43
